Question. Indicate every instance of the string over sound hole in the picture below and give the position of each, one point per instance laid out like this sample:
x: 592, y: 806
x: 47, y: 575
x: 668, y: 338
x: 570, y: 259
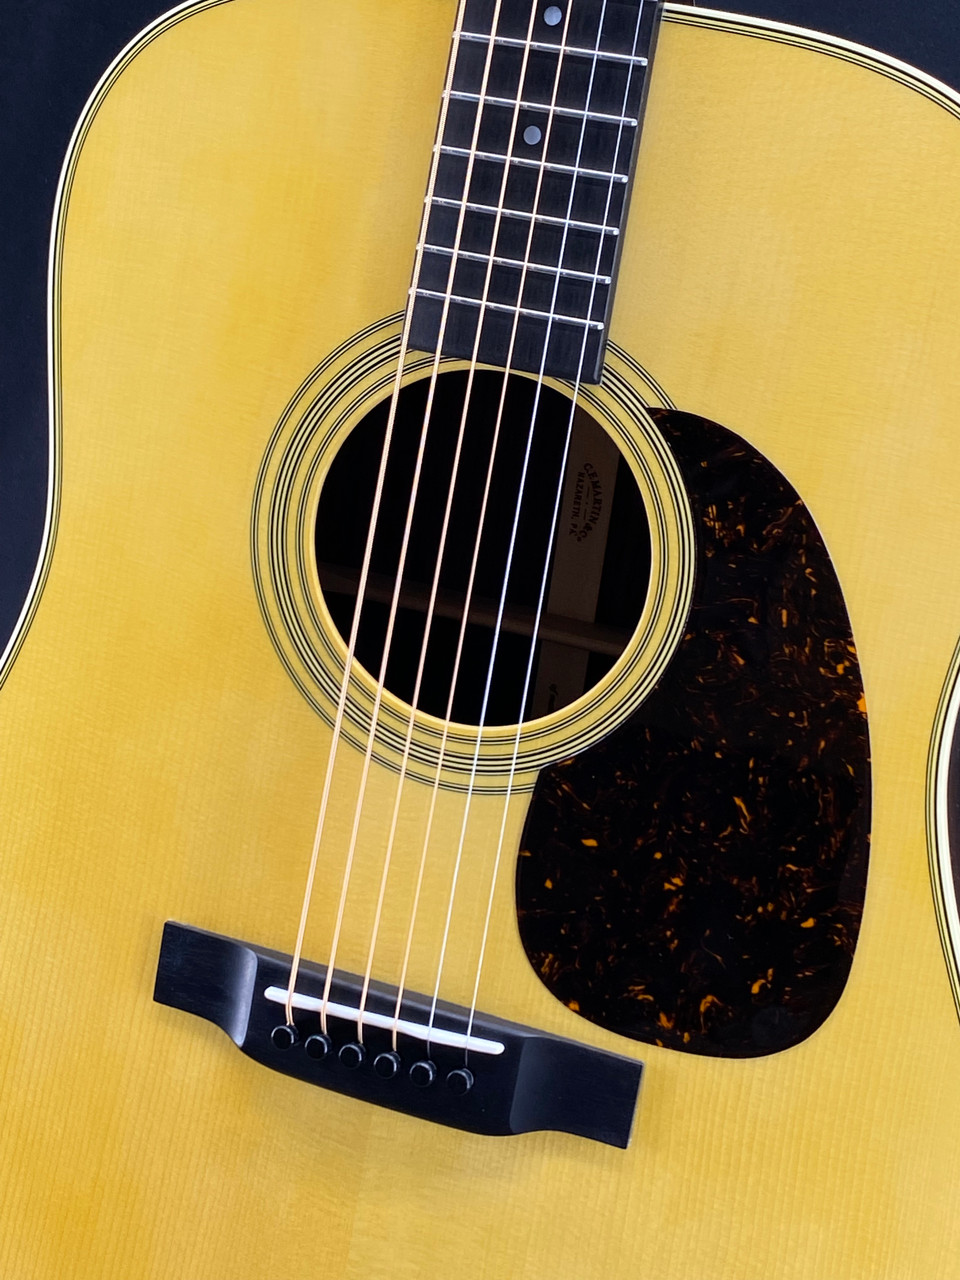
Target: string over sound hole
x: 599, y: 564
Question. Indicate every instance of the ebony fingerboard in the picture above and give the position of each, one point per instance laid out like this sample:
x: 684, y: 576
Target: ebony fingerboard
x: 523, y: 228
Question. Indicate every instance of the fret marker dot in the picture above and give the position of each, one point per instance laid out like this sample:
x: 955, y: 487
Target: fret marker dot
x: 532, y: 135
x: 552, y: 16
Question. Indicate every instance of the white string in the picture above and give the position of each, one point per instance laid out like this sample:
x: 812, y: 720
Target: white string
x: 522, y: 485
x: 447, y: 718
x: 364, y: 572
x: 552, y: 535
x: 408, y: 525
x: 434, y: 587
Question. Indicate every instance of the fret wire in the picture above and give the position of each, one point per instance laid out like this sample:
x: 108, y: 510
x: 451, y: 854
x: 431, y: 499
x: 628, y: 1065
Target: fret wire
x: 630, y: 121
x: 616, y: 180
x: 519, y: 213
x: 515, y: 262
x: 535, y: 164
x: 600, y: 55
x: 507, y: 306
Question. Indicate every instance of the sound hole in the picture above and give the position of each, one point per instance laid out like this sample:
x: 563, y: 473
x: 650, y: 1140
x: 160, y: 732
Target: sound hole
x: 599, y: 567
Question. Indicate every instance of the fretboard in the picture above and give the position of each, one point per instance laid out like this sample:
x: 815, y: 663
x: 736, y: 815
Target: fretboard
x: 533, y: 164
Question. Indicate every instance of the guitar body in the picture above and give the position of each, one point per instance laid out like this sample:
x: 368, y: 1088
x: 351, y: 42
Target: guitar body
x: 241, y: 201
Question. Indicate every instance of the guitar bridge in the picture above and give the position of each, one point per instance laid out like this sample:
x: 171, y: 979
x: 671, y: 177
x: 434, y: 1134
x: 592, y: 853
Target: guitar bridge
x: 486, y: 1076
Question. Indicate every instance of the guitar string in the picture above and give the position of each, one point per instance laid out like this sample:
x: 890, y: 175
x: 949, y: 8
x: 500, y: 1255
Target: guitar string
x: 375, y: 713
x: 337, y: 730
x: 558, y: 496
x: 471, y: 577
x: 447, y: 719
x: 408, y: 524
x: 546, y: 573
x: 461, y: 843
x: 434, y: 587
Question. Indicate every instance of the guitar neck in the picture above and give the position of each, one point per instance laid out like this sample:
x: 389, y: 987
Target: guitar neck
x: 524, y: 216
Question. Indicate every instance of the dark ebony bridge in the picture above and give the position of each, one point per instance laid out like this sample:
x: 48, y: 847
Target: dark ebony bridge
x: 508, y: 1079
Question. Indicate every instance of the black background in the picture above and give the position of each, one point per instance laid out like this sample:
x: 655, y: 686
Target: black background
x: 52, y: 53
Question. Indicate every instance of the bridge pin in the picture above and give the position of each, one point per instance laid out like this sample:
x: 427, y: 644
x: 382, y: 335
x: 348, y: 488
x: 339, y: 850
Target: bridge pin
x: 285, y: 1036
x: 423, y: 1073
x: 318, y: 1046
x: 460, y: 1081
x: 386, y: 1065
x: 352, y: 1055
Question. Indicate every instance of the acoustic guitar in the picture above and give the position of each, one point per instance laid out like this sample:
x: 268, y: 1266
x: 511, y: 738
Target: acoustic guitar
x: 491, y: 659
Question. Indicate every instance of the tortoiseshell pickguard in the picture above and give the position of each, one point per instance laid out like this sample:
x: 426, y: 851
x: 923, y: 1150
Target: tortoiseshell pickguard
x: 696, y: 879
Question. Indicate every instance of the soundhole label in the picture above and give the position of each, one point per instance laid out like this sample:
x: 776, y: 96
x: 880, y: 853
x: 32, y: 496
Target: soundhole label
x: 480, y: 573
